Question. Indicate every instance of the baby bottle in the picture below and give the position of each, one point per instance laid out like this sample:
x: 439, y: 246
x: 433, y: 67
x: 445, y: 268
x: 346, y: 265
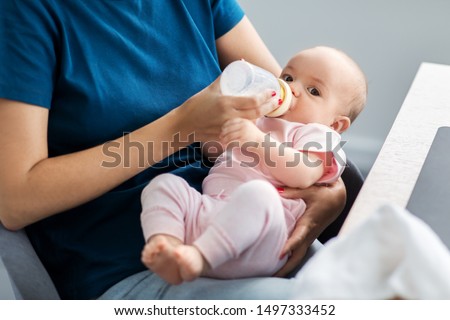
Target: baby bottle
x: 241, y: 78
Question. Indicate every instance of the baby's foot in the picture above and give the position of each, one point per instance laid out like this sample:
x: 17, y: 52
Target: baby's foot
x: 190, y: 261
x: 158, y: 256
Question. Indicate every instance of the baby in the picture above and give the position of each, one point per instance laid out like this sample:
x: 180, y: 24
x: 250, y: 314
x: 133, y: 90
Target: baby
x: 240, y: 224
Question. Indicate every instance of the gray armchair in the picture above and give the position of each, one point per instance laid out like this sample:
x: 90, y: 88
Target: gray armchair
x: 22, y: 275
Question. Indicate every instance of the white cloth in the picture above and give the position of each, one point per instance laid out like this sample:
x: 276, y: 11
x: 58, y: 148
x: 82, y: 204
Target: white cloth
x: 392, y: 254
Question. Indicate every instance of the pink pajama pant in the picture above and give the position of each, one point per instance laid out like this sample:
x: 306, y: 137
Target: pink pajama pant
x: 240, y: 235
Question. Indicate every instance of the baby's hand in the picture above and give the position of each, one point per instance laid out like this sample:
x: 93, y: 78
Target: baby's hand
x: 240, y: 130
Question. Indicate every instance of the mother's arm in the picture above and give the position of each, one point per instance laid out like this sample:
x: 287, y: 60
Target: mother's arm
x: 34, y: 186
x: 243, y: 42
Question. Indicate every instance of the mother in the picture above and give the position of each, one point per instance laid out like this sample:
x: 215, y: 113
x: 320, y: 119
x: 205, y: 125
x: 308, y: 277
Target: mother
x: 92, y: 92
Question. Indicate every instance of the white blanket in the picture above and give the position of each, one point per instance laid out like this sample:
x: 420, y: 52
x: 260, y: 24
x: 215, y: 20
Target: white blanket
x: 392, y: 254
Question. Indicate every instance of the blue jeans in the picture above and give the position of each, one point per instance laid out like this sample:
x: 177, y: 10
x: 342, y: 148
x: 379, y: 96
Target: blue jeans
x: 148, y: 286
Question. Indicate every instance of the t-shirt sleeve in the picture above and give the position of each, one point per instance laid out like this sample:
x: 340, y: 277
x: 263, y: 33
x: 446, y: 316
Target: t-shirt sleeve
x: 227, y: 13
x: 27, y: 51
x: 320, y: 139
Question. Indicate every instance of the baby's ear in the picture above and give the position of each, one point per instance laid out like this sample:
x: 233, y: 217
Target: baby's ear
x: 341, y: 123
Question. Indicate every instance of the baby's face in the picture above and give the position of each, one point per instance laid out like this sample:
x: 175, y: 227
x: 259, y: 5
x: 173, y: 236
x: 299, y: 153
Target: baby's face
x: 321, y: 82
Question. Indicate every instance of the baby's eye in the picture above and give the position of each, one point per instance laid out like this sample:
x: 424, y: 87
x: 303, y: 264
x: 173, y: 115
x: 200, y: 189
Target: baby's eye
x: 314, y: 91
x: 287, y: 78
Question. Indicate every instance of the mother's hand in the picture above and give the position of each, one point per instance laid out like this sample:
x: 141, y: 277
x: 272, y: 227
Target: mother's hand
x: 323, y: 206
x: 206, y: 112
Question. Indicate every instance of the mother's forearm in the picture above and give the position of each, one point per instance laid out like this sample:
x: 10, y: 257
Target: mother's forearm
x: 52, y: 185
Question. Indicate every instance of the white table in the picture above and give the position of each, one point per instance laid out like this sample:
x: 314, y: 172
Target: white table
x: 397, y: 167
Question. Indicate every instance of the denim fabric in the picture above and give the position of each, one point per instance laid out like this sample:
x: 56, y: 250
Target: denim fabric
x: 148, y: 286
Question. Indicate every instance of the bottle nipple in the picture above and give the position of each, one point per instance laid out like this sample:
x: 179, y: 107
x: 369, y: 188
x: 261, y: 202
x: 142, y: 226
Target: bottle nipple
x: 286, y: 97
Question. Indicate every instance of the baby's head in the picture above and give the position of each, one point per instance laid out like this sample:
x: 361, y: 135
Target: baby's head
x: 328, y: 87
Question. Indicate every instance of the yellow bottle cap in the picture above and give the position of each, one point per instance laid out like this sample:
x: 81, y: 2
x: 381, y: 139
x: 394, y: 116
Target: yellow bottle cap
x: 286, y: 96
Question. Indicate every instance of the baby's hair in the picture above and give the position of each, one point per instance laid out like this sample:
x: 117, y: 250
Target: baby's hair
x: 358, y: 101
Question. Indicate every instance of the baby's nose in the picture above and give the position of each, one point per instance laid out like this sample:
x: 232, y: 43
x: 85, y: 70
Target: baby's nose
x: 295, y: 91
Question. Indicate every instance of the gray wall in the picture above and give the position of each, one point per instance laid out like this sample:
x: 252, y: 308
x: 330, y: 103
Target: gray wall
x: 388, y: 38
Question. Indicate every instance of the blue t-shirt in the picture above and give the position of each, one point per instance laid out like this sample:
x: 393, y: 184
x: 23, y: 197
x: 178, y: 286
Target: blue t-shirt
x: 104, y: 68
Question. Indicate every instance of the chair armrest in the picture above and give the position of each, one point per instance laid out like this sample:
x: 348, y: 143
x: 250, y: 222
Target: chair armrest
x: 6, y: 291
x: 21, y: 266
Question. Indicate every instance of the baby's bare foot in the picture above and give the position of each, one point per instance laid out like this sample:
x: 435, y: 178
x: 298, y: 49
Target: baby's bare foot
x: 190, y: 261
x: 158, y: 256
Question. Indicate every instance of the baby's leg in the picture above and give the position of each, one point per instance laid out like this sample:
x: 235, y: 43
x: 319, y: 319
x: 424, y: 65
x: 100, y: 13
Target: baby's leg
x: 253, y: 216
x: 167, y: 203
